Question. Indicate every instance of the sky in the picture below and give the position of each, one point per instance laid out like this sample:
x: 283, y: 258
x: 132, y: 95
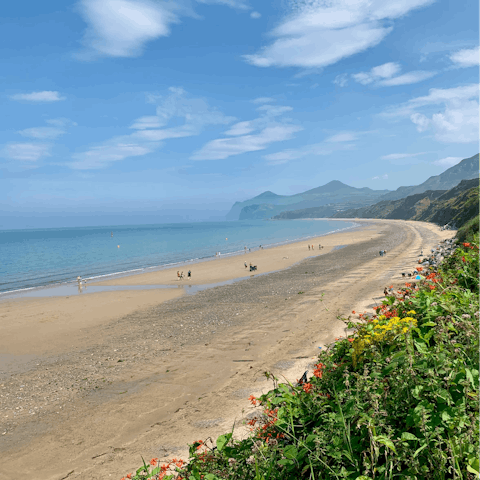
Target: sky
x: 144, y: 111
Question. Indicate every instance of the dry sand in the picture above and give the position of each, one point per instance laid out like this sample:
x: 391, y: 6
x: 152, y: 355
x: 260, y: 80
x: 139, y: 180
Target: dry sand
x: 92, y: 382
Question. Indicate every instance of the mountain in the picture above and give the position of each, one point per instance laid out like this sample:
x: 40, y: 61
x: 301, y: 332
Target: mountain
x: 335, y: 192
x: 465, y: 170
x: 455, y: 206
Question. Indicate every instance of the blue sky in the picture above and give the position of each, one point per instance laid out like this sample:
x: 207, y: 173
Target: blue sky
x: 166, y: 110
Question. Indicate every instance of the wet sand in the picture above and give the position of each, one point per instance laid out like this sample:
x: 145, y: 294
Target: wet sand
x: 117, y: 375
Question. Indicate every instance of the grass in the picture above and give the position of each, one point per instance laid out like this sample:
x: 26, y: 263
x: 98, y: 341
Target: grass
x: 397, y: 399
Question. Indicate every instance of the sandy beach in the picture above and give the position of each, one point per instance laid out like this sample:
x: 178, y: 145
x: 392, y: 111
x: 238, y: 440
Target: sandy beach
x: 89, y: 383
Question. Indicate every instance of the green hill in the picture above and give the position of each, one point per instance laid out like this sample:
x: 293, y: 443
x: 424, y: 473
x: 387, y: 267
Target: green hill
x: 269, y: 204
x: 455, y: 206
x: 465, y: 170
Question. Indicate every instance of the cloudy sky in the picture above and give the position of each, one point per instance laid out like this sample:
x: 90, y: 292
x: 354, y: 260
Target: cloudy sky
x: 135, y: 107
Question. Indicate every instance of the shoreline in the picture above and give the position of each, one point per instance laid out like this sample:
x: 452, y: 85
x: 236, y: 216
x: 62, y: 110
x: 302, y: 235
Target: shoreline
x: 149, y: 380
x: 182, y: 263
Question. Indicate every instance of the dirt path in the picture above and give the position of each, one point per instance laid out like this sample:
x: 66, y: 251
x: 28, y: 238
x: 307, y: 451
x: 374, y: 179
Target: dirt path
x: 172, y: 373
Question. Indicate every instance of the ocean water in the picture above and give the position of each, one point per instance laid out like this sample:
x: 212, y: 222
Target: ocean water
x: 41, y: 257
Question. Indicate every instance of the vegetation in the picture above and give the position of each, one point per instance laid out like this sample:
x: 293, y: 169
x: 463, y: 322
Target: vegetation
x: 468, y: 230
x: 396, y: 399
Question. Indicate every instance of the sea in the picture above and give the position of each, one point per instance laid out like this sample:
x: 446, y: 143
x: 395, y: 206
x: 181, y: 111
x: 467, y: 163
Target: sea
x: 34, y: 258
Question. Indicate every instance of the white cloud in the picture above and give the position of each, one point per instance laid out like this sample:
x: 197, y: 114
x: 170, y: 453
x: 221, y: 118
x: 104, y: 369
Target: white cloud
x: 457, y: 123
x: 30, y: 152
x: 285, y: 156
x: 222, y: 148
x: 238, y: 4
x: 151, y: 121
x: 241, y: 128
x: 255, y: 15
x: 318, y: 33
x: 120, y: 28
x: 269, y: 128
x: 194, y: 114
x: 387, y: 70
x: 447, y: 161
x: 468, y: 57
x: 407, y: 78
x: 59, y: 128
x: 263, y: 100
x: 104, y: 155
x: 341, y: 80
x: 42, y: 132
x: 381, y: 177
x: 386, y: 75
x: 343, y: 137
x: 45, y: 96
x: 399, y: 156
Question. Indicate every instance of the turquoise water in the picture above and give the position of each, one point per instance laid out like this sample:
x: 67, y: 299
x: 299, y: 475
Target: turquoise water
x: 40, y: 257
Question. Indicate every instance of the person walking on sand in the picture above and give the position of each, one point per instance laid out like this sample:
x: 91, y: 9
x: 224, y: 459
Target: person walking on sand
x: 189, y: 274
x: 309, y: 247
x: 245, y: 263
x: 312, y: 247
x: 178, y: 275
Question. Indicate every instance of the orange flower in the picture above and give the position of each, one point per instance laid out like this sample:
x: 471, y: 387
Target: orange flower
x: 318, y: 372
x: 307, y: 387
x: 353, y: 311
x: 253, y: 400
x: 129, y: 475
x: 351, y: 339
x: 153, y: 462
x: 463, y: 260
x: 408, y: 285
x: 466, y: 244
x: 419, y: 269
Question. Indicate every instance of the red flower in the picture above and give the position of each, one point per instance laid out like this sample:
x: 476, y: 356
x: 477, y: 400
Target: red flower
x: 253, y: 400
x: 353, y: 311
x: 409, y: 284
x: 129, y: 475
x: 153, y: 462
x: 432, y: 287
x: 463, y: 260
x: 351, y: 339
x: 419, y: 269
x: 466, y: 244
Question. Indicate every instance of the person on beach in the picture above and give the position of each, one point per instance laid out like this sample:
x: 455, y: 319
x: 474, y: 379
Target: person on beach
x: 178, y: 274
x: 309, y: 247
x: 245, y: 263
x: 312, y: 247
x: 189, y: 274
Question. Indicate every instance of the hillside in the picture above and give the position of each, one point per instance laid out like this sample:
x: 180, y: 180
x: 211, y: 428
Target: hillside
x: 465, y: 170
x: 455, y: 206
x: 269, y: 204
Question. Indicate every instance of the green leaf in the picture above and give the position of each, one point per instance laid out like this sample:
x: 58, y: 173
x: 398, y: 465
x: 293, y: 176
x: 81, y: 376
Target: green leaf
x: 290, y: 452
x: 210, y: 476
x: 363, y: 477
x: 222, y: 440
x: 408, y: 436
x: 429, y: 324
x: 421, y: 347
x: 385, y: 441
x: 285, y: 461
x: 419, y: 450
x: 472, y: 470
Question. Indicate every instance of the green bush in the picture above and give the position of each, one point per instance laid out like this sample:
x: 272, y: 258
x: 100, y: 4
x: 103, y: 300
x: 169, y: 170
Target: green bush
x: 468, y: 231
x: 398, y: 399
